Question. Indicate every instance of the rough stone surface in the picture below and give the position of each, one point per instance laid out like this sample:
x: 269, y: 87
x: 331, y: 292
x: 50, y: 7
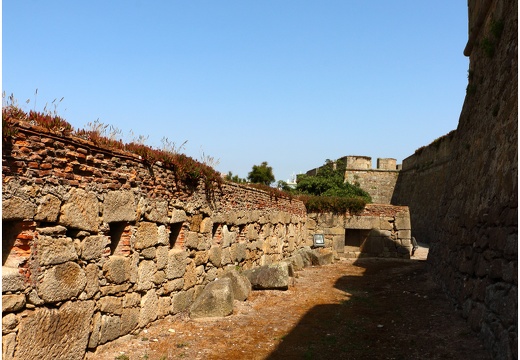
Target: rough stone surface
x: 110, y: 328
x: 240, y: 284
x: 117, y: 269
x: 296, y: 261
x: 216, y: 300
x: 8, y: 346
x: 80, y: 211
x: 269, y: 277
x: 48, y: 209
x: 17, y: 209
x: 147, y: 235
x: 9, y: 323
x: 12, y: 280
x: 12, y: 303
x: 463, y: 188
x: 119, y: 206
x: 62, y: 282
x: 56, y: 333
x: 93, y: 247
x: 146, y: 271
x: 149, y: 306
x: 176, y: 263
x: 53, y: 251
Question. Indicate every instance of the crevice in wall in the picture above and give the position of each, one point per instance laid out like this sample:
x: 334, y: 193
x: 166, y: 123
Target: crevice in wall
x: 10, y: 231
x: 17, y: 237
x: 116, y: 233
x: 175, y: 238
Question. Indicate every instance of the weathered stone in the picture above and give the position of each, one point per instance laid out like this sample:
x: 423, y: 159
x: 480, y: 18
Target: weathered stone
x: 176, y: 263
x: 146, y: 272
x: 201, y: 257
x: 80, y: 211
x: 148, y: 253
x: 162, y: 257
x: 211, y: 275
x: 148, y: 312
x: 239, y: 283
x: 206, y: 225
x: 110, y: 328
x: 62, y: 282
x: 131, y: 300
x: 111, y: 305
x: 146, y: 235
x: 8, y: 346
x: 12, y: 303
x: 92, y: 275
x: 215, y: 255
x: 240, y: 252
x: 52, y: 230
x: 9, y: 323
x: 157, y: 211
x: 228, y: 237
x: 48, y: 209
x: 56, y: 333
x: 163, y: 235
x: 190, y: 277
x: 93, y: 247
x: 173, y: 285
x: 269, y: 277
x: 159, y: 277
x: 93, y: 341
x: 296, y: 261
x: 116, y: 269
x: 119, y: 206
x: 178, y: 216
x: 402, y: 221
x: 163, y: 307
x: 53, y: 251
x: 34, y: 299
x: 226, y: 256
x: 129, y: 320
x: 12, y: 280
x: 17, y: 208
x: 215, y: 301
x: 180, y: 301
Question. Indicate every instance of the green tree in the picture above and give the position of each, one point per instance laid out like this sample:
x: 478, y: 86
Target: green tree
x: 234, y: 178
x: 261, y: 174
x: 330, y: 181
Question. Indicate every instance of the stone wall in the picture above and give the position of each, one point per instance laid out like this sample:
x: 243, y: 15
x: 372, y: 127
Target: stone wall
x: 97, y: 245
x: 462, y: 189
x: 379, y: 231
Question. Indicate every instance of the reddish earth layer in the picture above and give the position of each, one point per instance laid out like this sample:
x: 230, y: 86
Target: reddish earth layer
x: 353, y: 309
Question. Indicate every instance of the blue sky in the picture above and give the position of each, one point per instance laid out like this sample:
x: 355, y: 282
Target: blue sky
x: 290, y: 82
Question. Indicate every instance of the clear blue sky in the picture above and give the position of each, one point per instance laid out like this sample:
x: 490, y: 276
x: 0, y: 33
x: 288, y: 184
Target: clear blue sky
x: 290, y: 82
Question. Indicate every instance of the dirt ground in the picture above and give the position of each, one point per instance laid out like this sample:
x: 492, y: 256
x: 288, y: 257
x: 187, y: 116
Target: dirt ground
x: 352, y: 309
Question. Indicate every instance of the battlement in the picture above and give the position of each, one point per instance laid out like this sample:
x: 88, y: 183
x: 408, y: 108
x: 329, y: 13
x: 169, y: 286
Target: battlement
x: 365, y: 163
x: 355, y: 162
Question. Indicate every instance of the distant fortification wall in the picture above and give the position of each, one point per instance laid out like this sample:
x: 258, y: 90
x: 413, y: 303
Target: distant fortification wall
x: 379, y: 182
x: 462, y: 190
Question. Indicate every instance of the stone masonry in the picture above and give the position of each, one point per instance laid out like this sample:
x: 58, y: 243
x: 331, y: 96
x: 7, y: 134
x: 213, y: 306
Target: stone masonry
x: 97, y: 244
x: 462, y: 190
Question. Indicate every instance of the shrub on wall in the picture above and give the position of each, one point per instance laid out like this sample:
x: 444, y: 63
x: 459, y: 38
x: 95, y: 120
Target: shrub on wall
x: 186, y: 169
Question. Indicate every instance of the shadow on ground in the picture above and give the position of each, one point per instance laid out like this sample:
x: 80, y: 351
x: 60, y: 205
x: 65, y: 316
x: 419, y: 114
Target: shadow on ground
x: 392, y: 311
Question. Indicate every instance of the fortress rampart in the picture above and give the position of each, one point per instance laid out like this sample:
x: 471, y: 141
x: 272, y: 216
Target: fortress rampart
x: 462, y: 190
x: 98, y: 244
